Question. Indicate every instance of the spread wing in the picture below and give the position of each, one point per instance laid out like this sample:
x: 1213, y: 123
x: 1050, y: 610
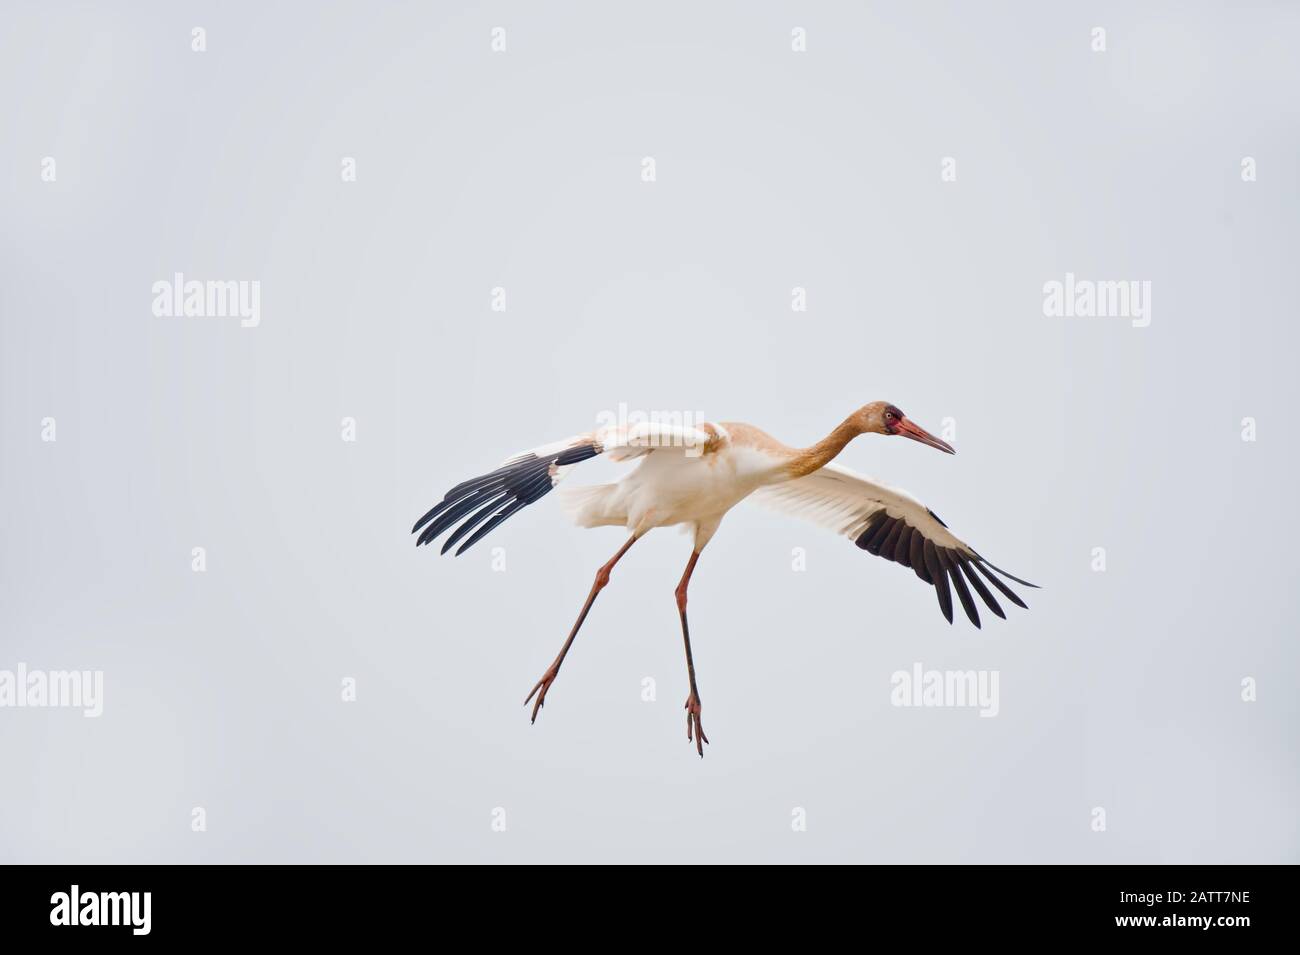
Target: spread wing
x: 894, y: 525
x: 477, y: 506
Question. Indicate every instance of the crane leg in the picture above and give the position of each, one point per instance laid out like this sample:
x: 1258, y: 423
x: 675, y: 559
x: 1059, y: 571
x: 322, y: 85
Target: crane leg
x: 602, y: 578
x: 694, y: 728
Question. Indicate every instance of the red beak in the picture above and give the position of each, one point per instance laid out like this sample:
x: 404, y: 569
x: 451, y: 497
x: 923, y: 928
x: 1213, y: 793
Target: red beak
x: 907, y: 429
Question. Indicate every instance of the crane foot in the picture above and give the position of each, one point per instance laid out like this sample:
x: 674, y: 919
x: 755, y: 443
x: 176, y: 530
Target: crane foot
x: 694, y: 728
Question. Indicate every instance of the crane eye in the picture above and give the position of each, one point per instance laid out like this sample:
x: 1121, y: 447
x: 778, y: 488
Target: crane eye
x: 889, y: 415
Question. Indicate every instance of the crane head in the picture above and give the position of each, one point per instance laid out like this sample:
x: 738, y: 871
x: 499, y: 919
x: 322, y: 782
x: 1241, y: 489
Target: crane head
x: 881, y: 417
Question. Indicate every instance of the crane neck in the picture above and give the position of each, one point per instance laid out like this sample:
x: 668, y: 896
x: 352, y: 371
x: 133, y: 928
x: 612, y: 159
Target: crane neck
x: 825, y: 450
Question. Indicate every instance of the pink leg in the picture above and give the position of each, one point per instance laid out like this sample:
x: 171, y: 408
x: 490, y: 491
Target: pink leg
x: 602, y: 578
x: 693, y: 725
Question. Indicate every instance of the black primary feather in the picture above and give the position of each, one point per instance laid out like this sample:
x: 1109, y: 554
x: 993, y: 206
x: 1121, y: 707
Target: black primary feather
x: 940, y: 579
x: 494, y: 497
x: 959, y: 584
x: 944, y: 568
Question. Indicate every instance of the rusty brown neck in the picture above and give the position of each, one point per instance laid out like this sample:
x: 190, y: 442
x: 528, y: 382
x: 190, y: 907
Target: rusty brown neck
x: 825, y: 450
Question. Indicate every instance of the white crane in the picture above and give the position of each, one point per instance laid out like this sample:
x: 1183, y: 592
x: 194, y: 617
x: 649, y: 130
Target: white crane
x: 693, y: 476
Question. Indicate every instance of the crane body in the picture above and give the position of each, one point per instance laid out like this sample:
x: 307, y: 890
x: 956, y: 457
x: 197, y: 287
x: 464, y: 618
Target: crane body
x: 693, y: 477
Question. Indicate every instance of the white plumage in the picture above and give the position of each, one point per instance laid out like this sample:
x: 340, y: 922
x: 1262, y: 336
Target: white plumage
x: 693, y: 477
x: 844, y: 501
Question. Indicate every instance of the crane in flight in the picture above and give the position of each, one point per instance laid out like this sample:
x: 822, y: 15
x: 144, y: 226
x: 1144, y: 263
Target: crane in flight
x: 693, y: 476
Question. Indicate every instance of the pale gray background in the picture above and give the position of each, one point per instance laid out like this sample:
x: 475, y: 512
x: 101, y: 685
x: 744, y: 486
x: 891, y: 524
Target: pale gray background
x: 1119, y: 689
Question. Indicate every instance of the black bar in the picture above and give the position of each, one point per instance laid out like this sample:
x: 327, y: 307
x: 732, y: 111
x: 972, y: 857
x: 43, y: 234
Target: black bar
x: 331, y: 904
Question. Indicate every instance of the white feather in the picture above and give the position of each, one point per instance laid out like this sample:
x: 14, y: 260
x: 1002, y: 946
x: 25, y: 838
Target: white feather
x: 843, y: 501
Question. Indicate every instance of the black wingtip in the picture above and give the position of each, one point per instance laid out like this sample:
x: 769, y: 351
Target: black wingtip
x: 495, y: 496
x: 1009, y: 576
x: 989, y: 600
x: 959, y: 584
x: 429, y: 515
x: 1006, y: 591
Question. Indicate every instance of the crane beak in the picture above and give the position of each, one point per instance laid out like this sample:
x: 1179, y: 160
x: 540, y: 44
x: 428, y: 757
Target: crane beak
x: 908, y: 429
